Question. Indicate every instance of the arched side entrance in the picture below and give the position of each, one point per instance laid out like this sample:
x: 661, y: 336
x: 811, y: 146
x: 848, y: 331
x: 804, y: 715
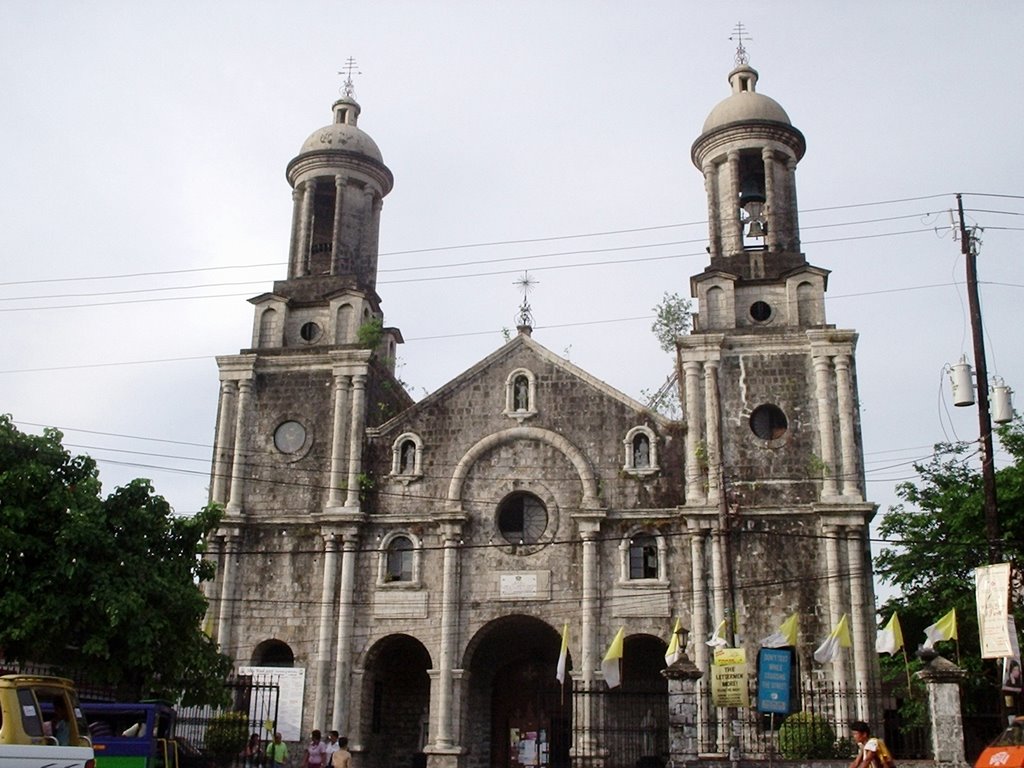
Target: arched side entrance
x: 395, y: 703
x: 515, y: 709
x: 273, y: 653
x: 635, y: 715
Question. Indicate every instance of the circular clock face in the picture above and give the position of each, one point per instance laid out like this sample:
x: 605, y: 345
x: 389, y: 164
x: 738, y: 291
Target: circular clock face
x: 522, y: 518
x: 289, y: 437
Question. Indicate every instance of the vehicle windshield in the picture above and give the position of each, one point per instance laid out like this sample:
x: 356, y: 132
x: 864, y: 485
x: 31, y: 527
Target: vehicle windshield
x: 1012, y: 736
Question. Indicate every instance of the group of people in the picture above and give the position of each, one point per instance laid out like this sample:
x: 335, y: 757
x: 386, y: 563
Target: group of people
x: 332, y: 753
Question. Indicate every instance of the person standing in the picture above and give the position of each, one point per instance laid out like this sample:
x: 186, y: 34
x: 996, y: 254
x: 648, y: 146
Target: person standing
x: 315, y: 755
x: 867, y: 747
x: 342, y: 758
x: 332, y: 745
x: 277, y: 751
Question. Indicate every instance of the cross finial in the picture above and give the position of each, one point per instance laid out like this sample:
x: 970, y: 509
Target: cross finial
x: 348, y: 88
x: 525, y: 284
x: 739, y: 34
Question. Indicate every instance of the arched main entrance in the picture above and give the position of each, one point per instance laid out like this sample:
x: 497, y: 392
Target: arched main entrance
x: 516, y: 711
x: 395, y: 703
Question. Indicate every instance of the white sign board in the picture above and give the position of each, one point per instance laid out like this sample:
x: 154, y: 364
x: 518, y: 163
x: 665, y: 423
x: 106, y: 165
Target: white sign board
x: 291, y: 682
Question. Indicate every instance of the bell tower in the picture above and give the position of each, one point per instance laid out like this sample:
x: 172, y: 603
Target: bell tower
x: 774, y: 458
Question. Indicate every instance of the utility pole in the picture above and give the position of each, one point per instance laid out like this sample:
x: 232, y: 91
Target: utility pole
x: 968, y: 246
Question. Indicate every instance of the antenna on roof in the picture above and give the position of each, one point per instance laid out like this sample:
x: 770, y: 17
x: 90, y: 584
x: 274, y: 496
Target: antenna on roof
x: 739, y: 34
x: 348, y: 88
x: 525, y: 319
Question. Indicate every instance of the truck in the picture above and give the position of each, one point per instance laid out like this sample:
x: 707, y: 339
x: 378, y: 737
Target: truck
x: 42, y: 724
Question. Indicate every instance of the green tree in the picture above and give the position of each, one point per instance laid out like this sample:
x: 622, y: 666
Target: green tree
x: 673, y: 317
x: 936, y: 538
x: 102, y: 588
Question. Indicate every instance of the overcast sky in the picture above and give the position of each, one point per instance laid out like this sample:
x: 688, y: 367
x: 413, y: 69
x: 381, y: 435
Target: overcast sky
x: 144, y: 149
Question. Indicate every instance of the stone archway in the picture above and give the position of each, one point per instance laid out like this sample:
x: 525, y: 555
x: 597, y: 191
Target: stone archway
x: 395, y: 701
x: 515, y: 709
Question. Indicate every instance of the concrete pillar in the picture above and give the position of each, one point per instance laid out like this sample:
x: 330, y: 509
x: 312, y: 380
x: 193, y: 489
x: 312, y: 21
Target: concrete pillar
x: 847, y: 437
x: 337, y: 252
x: 585, y: 747
x: 323, y: 645
x: 355, y: 438
x: 699, y: 610
x: 338, y: 453
x: 240, y: 447
x: 824, y: 388
x: 695, y: 493
x: 223, y: 442
x: 943, y: 679
x: 346, y: 620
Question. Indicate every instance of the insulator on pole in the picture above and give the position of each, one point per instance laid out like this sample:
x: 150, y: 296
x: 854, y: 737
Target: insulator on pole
x: 960, y: 376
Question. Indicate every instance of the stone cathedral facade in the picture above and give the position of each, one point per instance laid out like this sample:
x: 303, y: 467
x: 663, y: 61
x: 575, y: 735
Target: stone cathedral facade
x: 418, y: 560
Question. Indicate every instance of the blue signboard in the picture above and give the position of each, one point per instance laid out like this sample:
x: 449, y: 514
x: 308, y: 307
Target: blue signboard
x: 774, y: 671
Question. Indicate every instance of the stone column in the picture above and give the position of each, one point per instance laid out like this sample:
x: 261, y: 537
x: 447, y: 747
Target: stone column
x: 362, y: 259
x: 227, y: 591
x: 340, y: 183
x: 338, y: 455
x: 847, y: 436
x: 710, y: 171
x: 214, y: 553
x: 823, y: 385
x: 222, y: 447
x: 305, y: 227
x: 735, y: 226
x: 863, y: 626
x: 943, y: 679
x: 323, y: 645
x: 585, y: 746
x: 794, y: 210
x: 699, y: 610
x: 355, y: 438
x: 373, y: 243
x: 694, y: 481
x: 346, y: 619
x: 241, y: 452
x: 772, y: 237
x: 713, y: 418
x: 294, y: 264
x: 836, y: 582
x: 683, y: 708
x: 449, y: 636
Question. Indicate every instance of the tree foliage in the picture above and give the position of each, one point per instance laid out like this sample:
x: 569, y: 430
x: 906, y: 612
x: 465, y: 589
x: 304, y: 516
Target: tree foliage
x: 673, y: 317
x: 937, y: 537
x: 103, y: 588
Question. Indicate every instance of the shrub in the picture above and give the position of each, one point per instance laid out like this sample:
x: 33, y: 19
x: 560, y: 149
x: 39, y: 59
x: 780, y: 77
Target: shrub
x: 226, y: 736
x: 805, y: 736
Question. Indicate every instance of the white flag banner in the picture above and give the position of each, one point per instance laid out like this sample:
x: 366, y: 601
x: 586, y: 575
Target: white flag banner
x: 992, y: 597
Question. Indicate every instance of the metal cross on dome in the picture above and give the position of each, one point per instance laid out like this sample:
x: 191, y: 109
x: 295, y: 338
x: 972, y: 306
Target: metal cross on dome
x: 739, y: 35
x: 525, y: 284
x: 348, y: 88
